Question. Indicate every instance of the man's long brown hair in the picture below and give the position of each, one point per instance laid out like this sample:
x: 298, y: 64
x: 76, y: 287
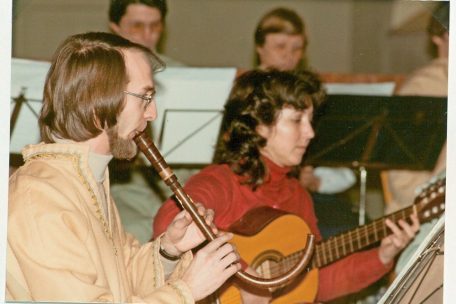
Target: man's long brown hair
x: 83, y: 92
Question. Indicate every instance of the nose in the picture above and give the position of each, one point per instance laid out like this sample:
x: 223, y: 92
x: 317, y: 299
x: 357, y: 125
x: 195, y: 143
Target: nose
x: 151, y: 111
x: 288, y: 52
x: 308, y: 130
x: 289, y: 58
x: 145, y: 32
x: 145, y: 35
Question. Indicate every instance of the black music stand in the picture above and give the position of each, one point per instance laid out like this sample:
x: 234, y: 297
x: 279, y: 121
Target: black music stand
x: 378, y: 132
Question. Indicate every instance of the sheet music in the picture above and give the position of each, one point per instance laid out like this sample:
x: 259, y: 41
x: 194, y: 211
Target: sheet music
x: 370, y: 89
x: 189, y: 106
x: 191, y: 137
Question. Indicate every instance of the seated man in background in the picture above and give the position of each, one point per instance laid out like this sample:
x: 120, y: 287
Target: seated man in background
x: 280, y: 43
x: 266, y: 129
x: 137, y: 190
x: 141, y: 21
x: 430, y: 80
x: 66, y: 242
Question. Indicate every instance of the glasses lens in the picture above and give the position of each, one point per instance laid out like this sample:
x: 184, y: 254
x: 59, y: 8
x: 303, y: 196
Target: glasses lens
x: 147, y: 99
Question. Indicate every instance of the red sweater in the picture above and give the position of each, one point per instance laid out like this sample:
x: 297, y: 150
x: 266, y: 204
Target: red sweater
x: 218, y: 188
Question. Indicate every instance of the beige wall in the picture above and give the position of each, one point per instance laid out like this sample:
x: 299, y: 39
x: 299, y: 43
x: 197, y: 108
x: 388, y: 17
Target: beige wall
x: 345, y: 35
x: 221, y: 32
x: 39, y: 26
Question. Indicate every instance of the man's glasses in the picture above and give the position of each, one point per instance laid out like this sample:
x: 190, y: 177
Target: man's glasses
x: 146, y: 98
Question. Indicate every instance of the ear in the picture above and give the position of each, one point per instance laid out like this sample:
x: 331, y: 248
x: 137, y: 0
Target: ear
x: 263, y: 130
x: 440, y: 40
x: 114, y: 28
x: 436, y: 40
x: 305, y: 38
x: 259, y: 50
x: 442, y: 44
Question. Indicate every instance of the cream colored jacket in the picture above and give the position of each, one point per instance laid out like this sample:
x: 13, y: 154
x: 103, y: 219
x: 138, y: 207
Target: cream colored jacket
x: 61, y: 247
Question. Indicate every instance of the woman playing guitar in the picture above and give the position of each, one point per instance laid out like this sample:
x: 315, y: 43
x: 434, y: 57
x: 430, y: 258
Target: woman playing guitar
x: 266, y: 129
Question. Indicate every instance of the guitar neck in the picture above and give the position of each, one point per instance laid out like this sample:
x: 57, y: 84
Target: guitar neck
x: 349, y: 242
x: 357, y: 239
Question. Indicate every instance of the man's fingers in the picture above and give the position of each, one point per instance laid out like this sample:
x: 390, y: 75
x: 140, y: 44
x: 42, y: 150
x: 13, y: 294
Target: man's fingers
x: 182, y: 219
x: 200, y: 208
x: 225, y: 250
x: 210, y: 213
x: 231, y: 258
x: 217, y: 243
x: 209, y: 216
x: 232, y: 269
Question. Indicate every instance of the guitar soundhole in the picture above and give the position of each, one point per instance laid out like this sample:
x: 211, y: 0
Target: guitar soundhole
x: 267, y: 264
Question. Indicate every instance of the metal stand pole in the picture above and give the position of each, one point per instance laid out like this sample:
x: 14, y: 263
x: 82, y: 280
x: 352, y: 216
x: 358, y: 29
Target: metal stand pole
x: 362, y: 195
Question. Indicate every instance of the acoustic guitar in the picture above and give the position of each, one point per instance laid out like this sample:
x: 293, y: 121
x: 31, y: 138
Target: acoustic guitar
x: 271, y: 241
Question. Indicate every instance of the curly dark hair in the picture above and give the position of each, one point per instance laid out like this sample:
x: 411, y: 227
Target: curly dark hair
x: 256, y: 99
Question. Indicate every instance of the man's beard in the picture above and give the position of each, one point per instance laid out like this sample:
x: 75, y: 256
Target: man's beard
x: 121, y: 148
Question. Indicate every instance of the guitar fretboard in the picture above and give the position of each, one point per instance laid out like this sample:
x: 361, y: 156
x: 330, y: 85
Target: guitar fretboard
x: 355, y: 240
x: 340, y: 246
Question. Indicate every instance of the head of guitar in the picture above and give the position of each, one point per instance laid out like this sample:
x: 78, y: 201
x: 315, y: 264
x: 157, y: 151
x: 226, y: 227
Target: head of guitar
x: 430, y: 203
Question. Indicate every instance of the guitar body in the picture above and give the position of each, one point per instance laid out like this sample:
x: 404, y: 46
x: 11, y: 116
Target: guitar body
x: 277, y: 235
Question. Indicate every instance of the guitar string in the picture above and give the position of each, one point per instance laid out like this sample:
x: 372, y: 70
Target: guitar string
x: 331, y: 244
x: 366, y: 233
x: 363, y: 233
x: 371, y: 233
